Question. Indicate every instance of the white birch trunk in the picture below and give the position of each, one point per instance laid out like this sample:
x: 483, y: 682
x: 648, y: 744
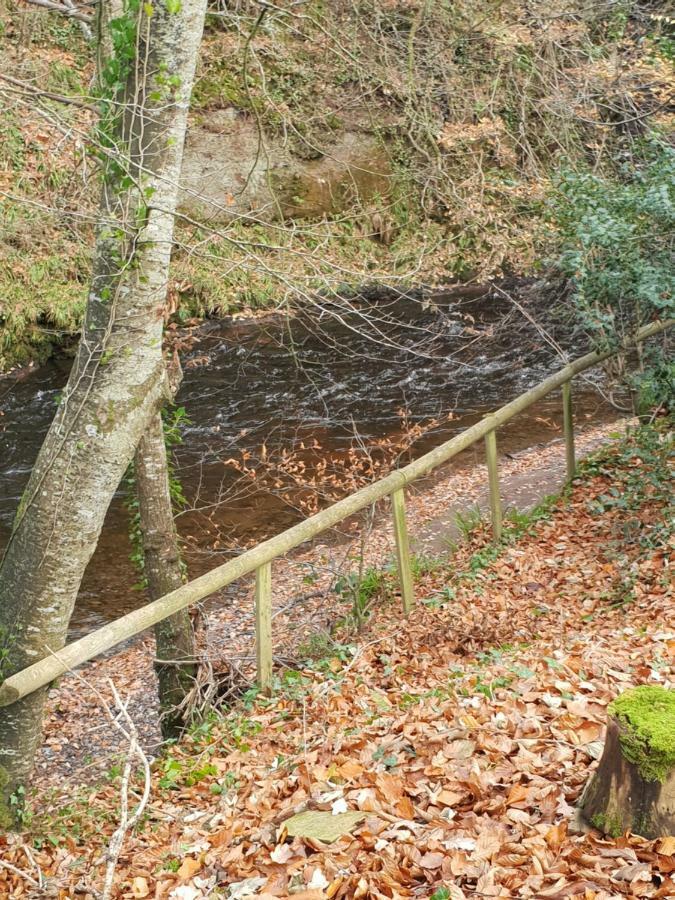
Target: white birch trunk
x: 118, y: 379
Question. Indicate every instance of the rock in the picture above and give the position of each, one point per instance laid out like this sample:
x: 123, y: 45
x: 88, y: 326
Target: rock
x: 226, y: 174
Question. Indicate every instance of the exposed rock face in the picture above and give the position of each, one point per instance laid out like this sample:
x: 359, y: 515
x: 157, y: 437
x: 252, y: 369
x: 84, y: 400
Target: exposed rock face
x: 229, y: 172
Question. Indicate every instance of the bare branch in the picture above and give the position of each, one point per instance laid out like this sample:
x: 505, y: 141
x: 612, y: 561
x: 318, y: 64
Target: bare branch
x: 66, y: 9
x: 127, y: 822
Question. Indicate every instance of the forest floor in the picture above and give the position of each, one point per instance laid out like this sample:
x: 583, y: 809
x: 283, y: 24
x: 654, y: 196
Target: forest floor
x: 450, y: 747
x: 79, y: 744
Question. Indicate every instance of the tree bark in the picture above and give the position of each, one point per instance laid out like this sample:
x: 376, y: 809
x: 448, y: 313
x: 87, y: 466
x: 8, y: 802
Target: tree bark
x: 618, y: 798
x: 117, y: 382
x: 174, y: 637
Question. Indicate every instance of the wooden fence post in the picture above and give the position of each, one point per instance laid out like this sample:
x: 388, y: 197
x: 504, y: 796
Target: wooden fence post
x: 402, y: 550
x: 493, y: 476
x: 568, y: 428
x: 263, y: 626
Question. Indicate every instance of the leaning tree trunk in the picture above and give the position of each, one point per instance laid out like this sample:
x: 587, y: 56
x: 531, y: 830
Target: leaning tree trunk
x: 117, y: 381
x: 633, y: 788
x: 174, y: 637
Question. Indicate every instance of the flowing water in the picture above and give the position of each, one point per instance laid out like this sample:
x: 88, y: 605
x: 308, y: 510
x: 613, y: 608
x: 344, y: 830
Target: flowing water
x: 324, y: 376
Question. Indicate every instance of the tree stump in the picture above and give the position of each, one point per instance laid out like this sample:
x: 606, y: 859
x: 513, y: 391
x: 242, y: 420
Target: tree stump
x: 633, y: 788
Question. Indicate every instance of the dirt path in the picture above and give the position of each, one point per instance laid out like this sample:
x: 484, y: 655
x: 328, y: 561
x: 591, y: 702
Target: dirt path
x: 79, y: 741
x: 545, y: 474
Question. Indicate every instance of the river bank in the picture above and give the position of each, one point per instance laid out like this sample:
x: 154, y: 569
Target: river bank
x: 79, y: 743
x: 455, y: 744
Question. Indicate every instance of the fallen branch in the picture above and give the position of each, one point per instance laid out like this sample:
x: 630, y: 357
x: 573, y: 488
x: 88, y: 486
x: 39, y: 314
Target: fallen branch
x: 127, y: 823
x: 66, y: 9
x: 16, y: 871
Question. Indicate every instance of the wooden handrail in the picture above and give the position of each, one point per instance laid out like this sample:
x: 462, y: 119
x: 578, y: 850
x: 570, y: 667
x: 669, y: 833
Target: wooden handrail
x: 57, y: 663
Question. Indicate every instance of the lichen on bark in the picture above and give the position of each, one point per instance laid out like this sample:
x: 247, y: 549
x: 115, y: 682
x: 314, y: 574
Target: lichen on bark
x: 646, y: 716
x: 7, y: 814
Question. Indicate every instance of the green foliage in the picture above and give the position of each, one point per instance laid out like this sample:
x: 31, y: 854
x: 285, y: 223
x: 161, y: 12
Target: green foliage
x: 515, y: 525
x: 638, y: 476
x: 64, y: 79
x: 42, y: 294
x: 175, y: 420
x: 320, y: 651
x: 12, y: 147
x: 639, y: 467
x: 609, y: 21
x: 388, y: 760
x: 177, y: 773
x: 611, y: 825
x: 488, y: 688
x: 646, y: 715
x: 422, y: 564
x: 7, y: 641
x: 113, y: 75
x: 442, y: 598
x: 233, y: 729
x: 361, y: 589
x: 617, y: 239
x: 442, y: 893
x: 469, y: 522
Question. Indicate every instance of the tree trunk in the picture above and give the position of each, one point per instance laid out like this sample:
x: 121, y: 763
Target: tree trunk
x: 174, y: 637
x: 633, y: 788
x: 117, y: 382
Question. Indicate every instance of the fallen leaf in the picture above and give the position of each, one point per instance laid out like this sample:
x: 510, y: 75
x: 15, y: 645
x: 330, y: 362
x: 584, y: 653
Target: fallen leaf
x: 666, y: 846
x: 282, y: 853
x: 188, y: 868
x: 322, y: 826
x: 140, y: 887
x: 432, y: 860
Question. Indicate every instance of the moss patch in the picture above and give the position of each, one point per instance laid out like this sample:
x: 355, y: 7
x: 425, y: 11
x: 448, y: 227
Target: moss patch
x: 646, y: 715
x: 610, y: 824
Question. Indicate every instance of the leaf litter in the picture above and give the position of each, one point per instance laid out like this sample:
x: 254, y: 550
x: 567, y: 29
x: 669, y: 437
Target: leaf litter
x: 450, y: 748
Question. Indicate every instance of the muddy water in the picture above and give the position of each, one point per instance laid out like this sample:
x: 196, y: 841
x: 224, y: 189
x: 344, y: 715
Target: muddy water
x: 326, y: 375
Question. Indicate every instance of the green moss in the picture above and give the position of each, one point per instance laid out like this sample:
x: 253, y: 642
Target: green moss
x: 220, y: 86
x: 44, y: 300
x: 647, y: 718
x: 610, y: 824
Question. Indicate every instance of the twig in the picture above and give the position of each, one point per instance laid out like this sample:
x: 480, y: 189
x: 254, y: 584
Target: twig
x: 20, y: 873
x: 127, y: 823
x: 31, y: 860
x: 66, y: 9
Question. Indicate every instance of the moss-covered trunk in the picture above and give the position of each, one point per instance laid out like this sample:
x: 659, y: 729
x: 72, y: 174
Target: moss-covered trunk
x: 118, y: 379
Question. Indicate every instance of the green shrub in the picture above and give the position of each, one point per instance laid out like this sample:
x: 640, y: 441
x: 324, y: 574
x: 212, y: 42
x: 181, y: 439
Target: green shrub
x: 617, y: 240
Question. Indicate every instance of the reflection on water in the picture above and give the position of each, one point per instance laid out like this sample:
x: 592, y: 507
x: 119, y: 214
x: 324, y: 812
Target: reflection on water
x: 324, y: 374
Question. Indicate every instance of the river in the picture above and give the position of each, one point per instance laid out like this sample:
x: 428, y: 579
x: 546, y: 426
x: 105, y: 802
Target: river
x: 325, y: 375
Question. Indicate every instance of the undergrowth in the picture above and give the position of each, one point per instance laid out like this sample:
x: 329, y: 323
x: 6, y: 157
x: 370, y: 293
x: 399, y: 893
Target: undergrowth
x: 472, y: 114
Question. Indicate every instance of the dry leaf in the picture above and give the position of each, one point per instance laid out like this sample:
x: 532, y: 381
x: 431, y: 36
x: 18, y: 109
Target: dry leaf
x: 188, y: 868
x: 140, y: 887
x: 322, y: 826
x: 282, y: 853
x: 432, y: 860
x: 666, y: 845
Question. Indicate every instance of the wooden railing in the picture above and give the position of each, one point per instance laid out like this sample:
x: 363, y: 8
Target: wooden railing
x: 259, y: 559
